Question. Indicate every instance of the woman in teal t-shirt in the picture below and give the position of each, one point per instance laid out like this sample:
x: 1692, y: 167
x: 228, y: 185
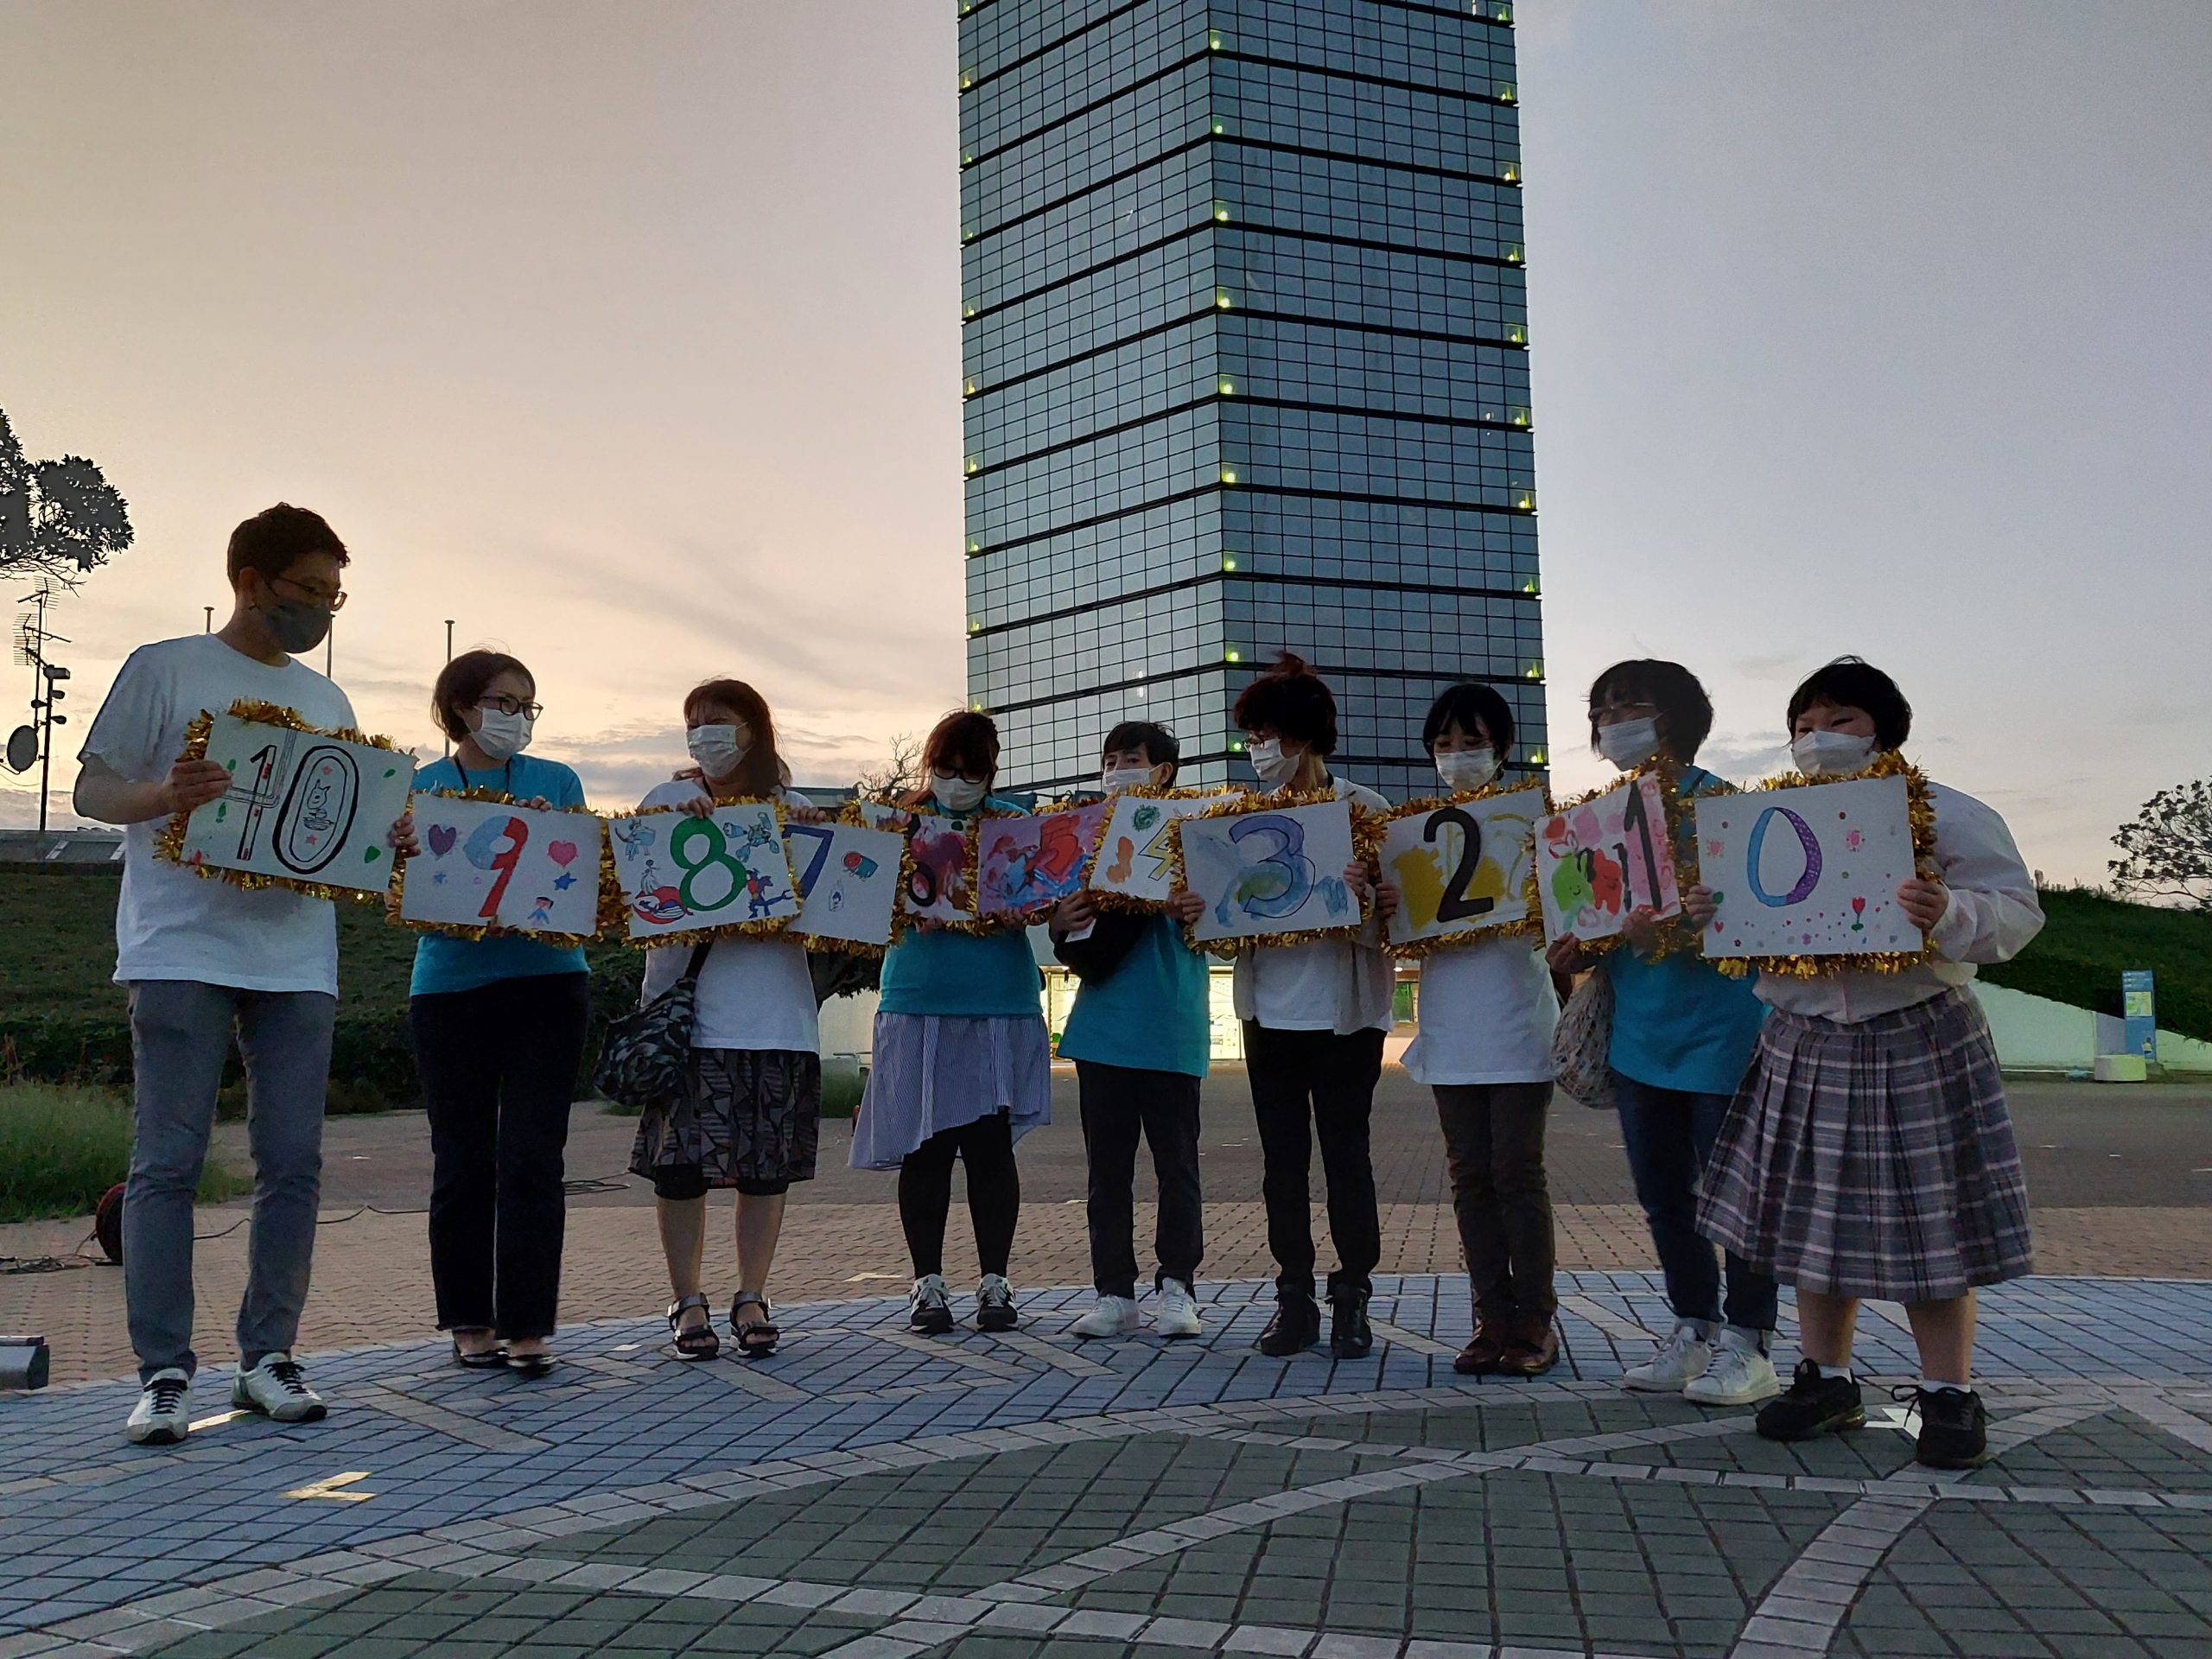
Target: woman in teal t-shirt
x: 963, y: 1067
x: 1138, y: 1035
x: 499, y: 1025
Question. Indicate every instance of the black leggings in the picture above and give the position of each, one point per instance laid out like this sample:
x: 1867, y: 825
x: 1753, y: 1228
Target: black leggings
x: 993, y: 1193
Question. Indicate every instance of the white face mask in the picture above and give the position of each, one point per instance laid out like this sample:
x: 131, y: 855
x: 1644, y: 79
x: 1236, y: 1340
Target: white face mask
x: 1116, y: 780
x: 1629, y: 743
x: 956, y: 794
x: 1466, y: 768
x: 502, y: 736
x: 1827, y: 754
x: 1269, y: 764
x: 716, y: 749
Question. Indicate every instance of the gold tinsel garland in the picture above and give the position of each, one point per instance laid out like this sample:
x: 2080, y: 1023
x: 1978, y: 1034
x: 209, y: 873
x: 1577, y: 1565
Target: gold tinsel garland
x: 398, y: 897
x: 1920, y: 813
x: 1106, y: 898
x: 1676, y: 934
x: 1366, y: 838
x: 1532, y: 919
x: 168, y: 843
x: 902, y: 922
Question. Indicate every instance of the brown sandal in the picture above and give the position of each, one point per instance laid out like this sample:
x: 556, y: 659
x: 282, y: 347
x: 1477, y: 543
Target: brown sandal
x: 695, y: 1341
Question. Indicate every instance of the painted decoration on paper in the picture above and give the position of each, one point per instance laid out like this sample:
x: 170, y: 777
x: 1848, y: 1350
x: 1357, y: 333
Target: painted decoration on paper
x: 1270, y: 872
x: 1461, y: 867
x: 848, y: 881
x: 940, y: 870
x: 302, y: 809
x: 501, y: 868
x: 1027, y: 863
x: 1599, y: 860
x: 725, y: 873
x: 1136, y: 862
x: 1809, y: 871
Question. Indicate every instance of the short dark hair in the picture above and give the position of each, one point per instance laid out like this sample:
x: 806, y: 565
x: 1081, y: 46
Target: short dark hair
x: 463, y: 681
x: 1854, y: 683
x: 1291, y: 699
x: 963, y: 740
x: 1669, y: 688
x: 1157, y: 742
x: 1466, y: 705
x: 278, y: 538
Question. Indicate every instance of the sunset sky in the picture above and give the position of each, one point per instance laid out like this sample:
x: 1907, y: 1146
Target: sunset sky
x: 628, y: 338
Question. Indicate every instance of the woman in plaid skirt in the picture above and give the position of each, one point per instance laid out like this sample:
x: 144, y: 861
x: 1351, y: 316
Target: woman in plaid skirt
x: 1869, y: 1152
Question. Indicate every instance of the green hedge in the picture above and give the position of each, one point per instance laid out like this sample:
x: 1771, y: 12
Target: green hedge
x: 2089, y: 938
x: 61, y: 1148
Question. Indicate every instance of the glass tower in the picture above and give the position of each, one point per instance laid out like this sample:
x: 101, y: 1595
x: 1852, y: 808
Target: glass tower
x: 1245, y: 360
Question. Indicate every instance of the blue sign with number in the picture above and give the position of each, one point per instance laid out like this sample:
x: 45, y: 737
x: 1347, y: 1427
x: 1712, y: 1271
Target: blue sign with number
x: 2140, y: 1008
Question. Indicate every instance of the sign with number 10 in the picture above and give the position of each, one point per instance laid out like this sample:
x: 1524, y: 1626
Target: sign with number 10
x: 1602, y: 860
x: 304, y: 808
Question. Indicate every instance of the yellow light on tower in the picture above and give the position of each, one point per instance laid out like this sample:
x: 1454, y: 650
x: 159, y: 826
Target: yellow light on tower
x: 1517, y: 332
x: 1220, y: 213
x: 1222, y: 302
x: 1213, y: 41
x: 1232, y: 655
x: 1539, y: 759
x: 1536, y: 671
x: 1512, y: 173
x: 1228, y: 388
x: 1513, y: 253
x: 1229, y: 560
x: 1526, y: 502
x: 968, y: 389
x: 1229, y: 474
x: 973, y: 463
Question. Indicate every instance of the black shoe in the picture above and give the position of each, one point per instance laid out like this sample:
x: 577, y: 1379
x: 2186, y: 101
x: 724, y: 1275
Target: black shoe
x: 1953, y: 1427
x: 1350, y: 1336
x: 1815, y: 1405
x: 1295, y: 1327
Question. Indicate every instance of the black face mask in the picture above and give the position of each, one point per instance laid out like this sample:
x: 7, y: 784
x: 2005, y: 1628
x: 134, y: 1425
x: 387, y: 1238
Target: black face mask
x: 297, y: 626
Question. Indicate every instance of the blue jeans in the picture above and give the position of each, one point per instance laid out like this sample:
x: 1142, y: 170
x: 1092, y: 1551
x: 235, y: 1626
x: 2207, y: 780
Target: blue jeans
x: 180, y: 1033
x: 1669, y: 1134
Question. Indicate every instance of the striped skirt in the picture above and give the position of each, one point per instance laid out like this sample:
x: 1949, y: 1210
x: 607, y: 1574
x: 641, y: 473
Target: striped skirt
x: 1872, y: 1160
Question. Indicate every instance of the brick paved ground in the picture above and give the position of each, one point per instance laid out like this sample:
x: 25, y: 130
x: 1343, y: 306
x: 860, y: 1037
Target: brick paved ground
x: 869, y: 1495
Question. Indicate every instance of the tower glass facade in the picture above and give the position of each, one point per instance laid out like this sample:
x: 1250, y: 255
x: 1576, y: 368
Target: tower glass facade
x: 1245, y: 371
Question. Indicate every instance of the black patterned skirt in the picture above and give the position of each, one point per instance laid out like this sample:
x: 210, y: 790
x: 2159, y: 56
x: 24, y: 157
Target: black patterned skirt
x: 747, y: 1115
x: 1872, y: 1160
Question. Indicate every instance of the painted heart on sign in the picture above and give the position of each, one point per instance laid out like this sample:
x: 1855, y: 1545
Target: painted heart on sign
x: 443, y: 837
x: 563, y: 853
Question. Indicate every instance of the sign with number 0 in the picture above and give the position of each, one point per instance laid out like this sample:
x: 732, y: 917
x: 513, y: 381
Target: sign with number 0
x: 1461, y: 867
x: 1810, y: 871
x: 304, y: 808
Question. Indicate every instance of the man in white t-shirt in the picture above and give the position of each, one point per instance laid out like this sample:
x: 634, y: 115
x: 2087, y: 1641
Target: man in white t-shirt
x: 204, y: 959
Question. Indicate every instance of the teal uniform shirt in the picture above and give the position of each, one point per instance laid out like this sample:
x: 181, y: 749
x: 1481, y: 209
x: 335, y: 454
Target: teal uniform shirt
x: 1679, y: 1022
x: 1149, y: 1012
x: 443, y: 964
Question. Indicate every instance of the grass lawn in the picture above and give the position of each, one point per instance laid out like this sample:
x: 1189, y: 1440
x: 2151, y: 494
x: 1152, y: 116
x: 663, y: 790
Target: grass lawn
x: 61, y: 1149
x: 2090, y: 937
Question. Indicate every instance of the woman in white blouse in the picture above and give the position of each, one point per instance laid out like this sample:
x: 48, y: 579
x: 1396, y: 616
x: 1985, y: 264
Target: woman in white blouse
x: 1869, y: 1152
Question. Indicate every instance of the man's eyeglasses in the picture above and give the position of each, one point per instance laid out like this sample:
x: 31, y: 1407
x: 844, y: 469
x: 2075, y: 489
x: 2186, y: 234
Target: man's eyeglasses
x: 511, y: 706
x: 331, y: 599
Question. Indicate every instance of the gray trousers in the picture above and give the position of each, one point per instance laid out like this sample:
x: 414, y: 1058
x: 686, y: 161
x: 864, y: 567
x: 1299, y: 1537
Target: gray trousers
x: 180, y: 1033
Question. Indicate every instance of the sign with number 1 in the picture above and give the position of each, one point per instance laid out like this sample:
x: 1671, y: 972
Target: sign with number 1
x: 1600, y: 860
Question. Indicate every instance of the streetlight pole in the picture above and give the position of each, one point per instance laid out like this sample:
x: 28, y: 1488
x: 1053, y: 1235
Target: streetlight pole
x: 448, y: 659
x: 210, y: 610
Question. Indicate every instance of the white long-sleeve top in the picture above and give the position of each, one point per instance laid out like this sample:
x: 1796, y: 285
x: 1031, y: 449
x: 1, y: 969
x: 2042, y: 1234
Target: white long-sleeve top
x: 1992, y: 914
x: 1342, y: 985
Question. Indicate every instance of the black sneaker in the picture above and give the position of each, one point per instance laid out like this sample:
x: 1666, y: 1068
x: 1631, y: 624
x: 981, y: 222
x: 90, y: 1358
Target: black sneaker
x: 929, y: 1310
x: 1815, y: 1405
x: 1350, y: 1336
x: 1295, y: 1327
x: 1954, y: 1426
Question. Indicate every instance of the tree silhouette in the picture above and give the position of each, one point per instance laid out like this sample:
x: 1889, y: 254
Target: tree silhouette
x: 897, y: 773
x: 2166, y: 852
x: 57, y: 519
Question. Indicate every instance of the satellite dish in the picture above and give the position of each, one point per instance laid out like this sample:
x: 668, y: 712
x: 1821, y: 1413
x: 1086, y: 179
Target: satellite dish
x: 22, y: 748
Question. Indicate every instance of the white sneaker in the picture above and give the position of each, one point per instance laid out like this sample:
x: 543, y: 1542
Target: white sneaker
x: 1739, y: 1374
x: 277, y: 1389
x: 929, y: 1309
x: 1179, y: 1311
x: 1114, y: 1316
x: 1682, y: 1355
x: 994, y: 1304
x: 159, y: 1418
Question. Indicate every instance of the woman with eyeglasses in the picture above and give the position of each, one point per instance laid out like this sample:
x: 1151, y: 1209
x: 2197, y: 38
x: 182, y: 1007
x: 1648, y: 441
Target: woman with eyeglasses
x: 499, y: 1025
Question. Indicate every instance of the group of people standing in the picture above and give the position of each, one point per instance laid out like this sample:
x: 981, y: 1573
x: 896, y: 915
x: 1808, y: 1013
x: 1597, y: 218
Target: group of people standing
x: 1844, y: 1133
